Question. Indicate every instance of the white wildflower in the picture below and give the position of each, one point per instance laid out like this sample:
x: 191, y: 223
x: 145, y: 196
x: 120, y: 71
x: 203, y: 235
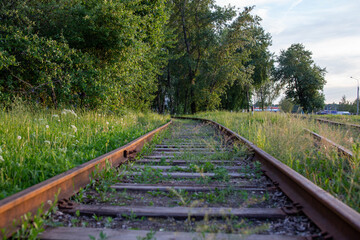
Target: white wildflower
x: 66, y: 111
x: 64, y: 150
x: 77, y: 141
x: 55, y: 115
x: 46, y: 141
x: 74, y: 127
x: 19, y: 137
x: 47, y: 126
x: 107, y: 123
x: 1, y: 159
x: 0, y: 150
x: 59, y: 120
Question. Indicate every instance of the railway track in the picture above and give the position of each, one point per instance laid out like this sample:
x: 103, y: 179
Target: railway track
x: 201, y: 181
x: 213, y: 187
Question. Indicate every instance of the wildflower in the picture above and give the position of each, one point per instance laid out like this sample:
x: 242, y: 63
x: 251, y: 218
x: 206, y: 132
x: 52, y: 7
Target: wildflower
x: 46, y: 141
x: 1, y: 159
x: 66, y: 111
x: 55, y: 115
x: 19, y: 137
x: 0, y: 150
x: 107, y: 123
x: 74, y: 127
x: 47, y: 126
x: 64, y: 150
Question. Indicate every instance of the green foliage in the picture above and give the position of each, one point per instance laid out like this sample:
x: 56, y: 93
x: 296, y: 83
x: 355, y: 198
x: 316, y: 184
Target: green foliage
x: 304, y: 80
x: 102, y: 236
x: 149, y: 175
x: 30, y: 226
x: 283, y: 136
x: 82, y: 53
x: 39, y: 144
x: 286, y: 105
x: 221, y: 174
x: 208, y: 56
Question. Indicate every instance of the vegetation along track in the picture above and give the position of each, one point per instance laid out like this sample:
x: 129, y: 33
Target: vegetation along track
x: 198, y: 182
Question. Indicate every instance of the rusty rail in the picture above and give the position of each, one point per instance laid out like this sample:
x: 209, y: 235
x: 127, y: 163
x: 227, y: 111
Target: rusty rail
x: 330, y: 122
x: 337, y: 123
x: 343, y: 151
x: 69, y: 182
x: 333, y: 217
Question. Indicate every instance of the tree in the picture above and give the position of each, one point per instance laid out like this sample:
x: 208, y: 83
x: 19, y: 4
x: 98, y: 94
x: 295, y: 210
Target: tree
x: 86, y: 53
x: 346, y: 105
x: 205, y: 57
x: 258, y: 65
x: 286, y: 105
x: 304, y: 80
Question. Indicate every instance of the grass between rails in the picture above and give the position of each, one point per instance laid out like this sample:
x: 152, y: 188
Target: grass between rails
x: 38, y: 144
x: 283, y: 137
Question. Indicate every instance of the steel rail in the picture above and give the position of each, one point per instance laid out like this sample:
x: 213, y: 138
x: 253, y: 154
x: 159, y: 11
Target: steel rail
x: 333, y: 217
x: 337, y: 123
x: 66, y: 184
x: 343, y: 151
x: 330, y: 122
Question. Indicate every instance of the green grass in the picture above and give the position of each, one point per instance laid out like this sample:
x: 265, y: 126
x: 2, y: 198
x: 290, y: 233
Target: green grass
x: 283, y: 137
x: 38, y: 144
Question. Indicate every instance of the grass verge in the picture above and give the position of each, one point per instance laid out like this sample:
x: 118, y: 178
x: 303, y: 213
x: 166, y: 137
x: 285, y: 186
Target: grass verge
x: 36, y: 145
x: 283, y: 137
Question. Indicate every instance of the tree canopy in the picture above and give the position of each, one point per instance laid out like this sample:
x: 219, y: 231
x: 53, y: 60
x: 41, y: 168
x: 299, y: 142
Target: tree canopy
x: 178, y: 56
x: 304, y: 80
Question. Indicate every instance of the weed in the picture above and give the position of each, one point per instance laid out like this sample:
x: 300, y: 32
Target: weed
x: 149, y: 236
x: 102, y: 236
x: 221, y: 174
x: 131, y: 217
x: 32, y: 226
x: 108, y: 221
x: 96, y: 218
x: 39, y: 144
x: 149, y: 175
x: 283, y: 137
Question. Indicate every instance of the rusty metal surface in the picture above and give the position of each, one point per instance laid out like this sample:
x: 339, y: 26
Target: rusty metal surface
x: 344, y: 151
x: 337, y: 123
x: 69, y: 182
x: 333, y: 217
x: 329, y: 121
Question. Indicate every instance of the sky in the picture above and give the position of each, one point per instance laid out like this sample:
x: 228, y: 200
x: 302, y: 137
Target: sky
x: 330, y: 29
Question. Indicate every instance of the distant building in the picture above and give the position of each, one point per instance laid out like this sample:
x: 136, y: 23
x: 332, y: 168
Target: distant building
x: 268, y: 109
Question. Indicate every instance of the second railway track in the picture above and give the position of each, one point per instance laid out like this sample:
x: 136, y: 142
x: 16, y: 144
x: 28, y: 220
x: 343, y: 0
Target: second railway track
x: 196, y: 183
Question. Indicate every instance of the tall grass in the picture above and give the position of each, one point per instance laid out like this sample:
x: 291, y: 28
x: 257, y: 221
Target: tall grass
x: 283, y: 137
x: 38, y: 144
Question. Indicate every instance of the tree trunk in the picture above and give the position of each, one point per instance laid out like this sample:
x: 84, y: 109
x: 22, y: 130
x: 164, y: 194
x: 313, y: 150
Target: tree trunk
x: 191, y: 73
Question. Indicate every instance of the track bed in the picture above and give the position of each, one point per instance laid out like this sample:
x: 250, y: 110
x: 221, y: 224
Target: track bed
x: 192, y: 183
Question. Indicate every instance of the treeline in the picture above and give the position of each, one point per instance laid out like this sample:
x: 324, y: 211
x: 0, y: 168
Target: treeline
x: 85, y: 53
x: 177, y: 56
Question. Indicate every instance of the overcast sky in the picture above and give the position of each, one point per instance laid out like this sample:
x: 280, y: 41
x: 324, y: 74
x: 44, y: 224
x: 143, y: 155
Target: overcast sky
x: 330, y: 29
